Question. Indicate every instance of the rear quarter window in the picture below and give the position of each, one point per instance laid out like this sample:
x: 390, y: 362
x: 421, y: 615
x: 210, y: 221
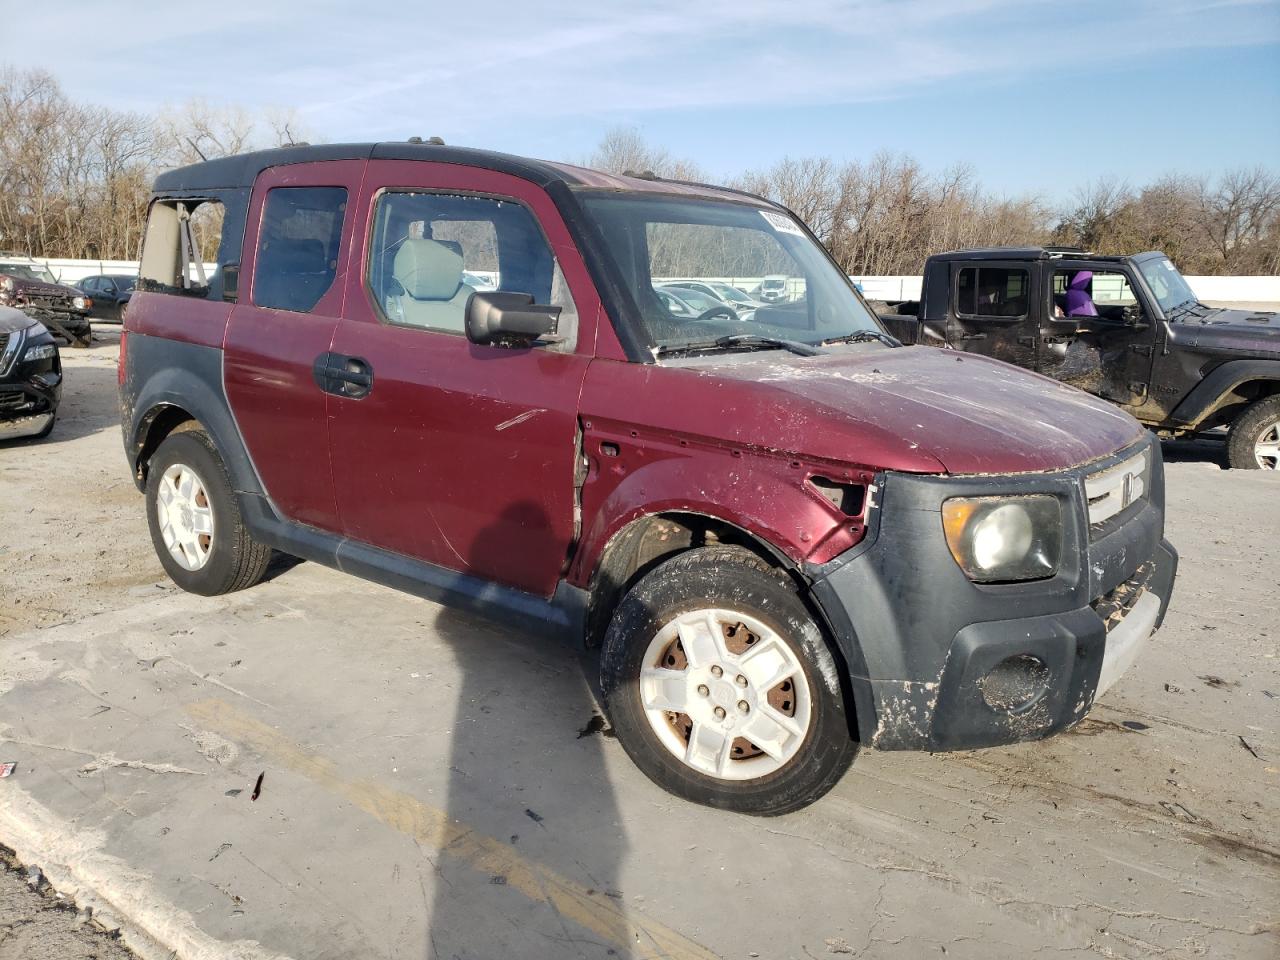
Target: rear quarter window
x: 183, y: 246
x: 998, y: 292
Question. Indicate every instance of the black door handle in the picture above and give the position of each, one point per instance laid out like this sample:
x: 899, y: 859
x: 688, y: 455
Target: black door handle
x: 343, y: 376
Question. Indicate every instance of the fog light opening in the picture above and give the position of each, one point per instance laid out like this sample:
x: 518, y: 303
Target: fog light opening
x: 1015, y: 683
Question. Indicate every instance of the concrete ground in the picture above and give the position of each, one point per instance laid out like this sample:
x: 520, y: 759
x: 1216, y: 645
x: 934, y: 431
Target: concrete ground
x: 323, y: 768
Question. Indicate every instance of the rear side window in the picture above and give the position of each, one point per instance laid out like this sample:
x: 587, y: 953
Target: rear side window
x: 181, y: 251
x: 992, y: 292
x: 298, y: 246
x: 431, y: 251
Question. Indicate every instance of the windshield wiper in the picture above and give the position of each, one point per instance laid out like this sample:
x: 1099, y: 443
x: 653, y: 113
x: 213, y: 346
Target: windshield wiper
x: 749, y: 340
x: 865, y: 336
x: 1184, y: 305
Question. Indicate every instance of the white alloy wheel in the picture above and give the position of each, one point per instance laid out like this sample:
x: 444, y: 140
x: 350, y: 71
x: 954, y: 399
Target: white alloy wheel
x: 1266, y: 450
x: 725, y: 694
x: 186, y: 519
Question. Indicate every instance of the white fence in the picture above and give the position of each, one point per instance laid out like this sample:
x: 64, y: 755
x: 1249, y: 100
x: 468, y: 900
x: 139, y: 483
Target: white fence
x: 1228, y: 289
x: 73, y: 271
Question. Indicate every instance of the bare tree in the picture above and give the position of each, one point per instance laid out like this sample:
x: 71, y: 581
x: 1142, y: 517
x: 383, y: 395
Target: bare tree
x: 75, y: 178
x: 624, y: 150
x: 1239, y: 216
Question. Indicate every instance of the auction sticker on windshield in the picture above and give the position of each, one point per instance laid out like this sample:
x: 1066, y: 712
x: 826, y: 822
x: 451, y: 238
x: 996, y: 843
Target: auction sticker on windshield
x: 781, y: 224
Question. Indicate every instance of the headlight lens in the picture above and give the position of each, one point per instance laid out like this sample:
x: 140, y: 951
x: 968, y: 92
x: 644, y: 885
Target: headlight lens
x: 6, y: 284
x: 41, y: 351
x: 1003, y: 539
x: 79, y: 303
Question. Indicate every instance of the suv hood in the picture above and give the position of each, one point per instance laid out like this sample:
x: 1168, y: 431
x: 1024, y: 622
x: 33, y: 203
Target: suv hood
x: 38, y: 288
x: 927, y: 410
x: 12, y: 320
x: 1238, y: 331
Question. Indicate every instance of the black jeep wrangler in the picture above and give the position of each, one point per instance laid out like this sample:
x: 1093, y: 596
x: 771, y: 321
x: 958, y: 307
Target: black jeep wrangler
x: 1127, y: 329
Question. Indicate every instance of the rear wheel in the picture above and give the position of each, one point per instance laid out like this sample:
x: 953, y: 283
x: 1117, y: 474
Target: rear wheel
x: 721, y: 687
x: 1254, y: 440
x: 195, y: 523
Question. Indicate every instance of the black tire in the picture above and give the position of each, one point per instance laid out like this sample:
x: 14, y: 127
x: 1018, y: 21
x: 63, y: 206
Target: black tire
x: 235, y: 560
x: 729, y: 578
x: 1257, y: 419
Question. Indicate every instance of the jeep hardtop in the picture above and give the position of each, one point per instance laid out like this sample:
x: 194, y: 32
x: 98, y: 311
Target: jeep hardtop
x: 1127, y: 329
x: 790, y: 535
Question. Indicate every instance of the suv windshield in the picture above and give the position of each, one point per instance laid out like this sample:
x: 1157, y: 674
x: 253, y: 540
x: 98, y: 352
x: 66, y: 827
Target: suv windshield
x: 1168, y: 285
x: 28, y: 271
x: 655, y: 239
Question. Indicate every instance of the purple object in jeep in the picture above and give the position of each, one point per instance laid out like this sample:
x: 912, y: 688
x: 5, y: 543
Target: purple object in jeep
x: 1079, y: 302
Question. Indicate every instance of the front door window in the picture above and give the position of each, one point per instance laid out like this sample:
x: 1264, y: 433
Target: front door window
x: 432, y: 251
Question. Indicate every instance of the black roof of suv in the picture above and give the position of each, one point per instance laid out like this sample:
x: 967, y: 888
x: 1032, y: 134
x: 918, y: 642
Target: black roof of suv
x: 240, y: 171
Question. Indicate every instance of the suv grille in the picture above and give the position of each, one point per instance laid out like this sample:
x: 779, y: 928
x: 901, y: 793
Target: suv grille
x: 50, y: 302
x: 1115, y: 606
x: 9, y: 344
x: 1116, y: 488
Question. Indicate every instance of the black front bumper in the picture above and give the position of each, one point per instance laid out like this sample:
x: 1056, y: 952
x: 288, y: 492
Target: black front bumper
x: 73, y: 321
x: 919, y: 638
x: 30, y: 390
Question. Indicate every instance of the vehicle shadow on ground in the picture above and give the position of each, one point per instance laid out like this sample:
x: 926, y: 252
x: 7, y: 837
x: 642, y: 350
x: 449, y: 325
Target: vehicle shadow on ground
x: 1196, y: 450
x: 527, y: 767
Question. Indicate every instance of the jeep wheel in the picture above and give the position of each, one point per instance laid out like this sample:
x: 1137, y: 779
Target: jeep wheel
x: 1254, y: 440
x: 721, y: 687
x: 195, y: 522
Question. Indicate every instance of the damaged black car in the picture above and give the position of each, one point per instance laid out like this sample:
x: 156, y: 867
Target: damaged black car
x: 30, y: 376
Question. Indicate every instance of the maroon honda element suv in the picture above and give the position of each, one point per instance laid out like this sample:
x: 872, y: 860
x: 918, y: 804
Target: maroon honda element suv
x: 451, y: 371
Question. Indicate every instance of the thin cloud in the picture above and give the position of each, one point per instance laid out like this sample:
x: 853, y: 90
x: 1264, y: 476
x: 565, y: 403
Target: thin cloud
x: 446, y: 67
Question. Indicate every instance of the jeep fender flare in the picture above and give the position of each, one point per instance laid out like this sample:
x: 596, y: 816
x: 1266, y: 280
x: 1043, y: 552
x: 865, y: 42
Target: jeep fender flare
x: 1212, y: 393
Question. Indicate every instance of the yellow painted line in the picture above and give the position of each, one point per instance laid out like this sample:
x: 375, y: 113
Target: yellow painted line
x: 637, y: 936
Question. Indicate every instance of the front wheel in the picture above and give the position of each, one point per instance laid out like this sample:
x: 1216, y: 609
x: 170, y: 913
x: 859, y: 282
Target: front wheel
x: 721, y: 687
x: 1254, y: 440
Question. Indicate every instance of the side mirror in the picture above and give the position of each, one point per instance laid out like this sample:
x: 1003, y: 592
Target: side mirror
x: 509, y: 319
x: 1134, y: 317
x: 231, y: 282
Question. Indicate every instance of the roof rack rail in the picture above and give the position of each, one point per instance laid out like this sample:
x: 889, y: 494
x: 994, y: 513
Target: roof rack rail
x: 1060, y: 249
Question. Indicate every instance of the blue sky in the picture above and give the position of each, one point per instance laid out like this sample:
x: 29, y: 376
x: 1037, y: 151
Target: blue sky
x: 1035, y: 95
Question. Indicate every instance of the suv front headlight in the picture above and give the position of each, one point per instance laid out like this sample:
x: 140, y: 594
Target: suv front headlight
x: 81, y: 303
x: 41, y: 351
x: 1004, y: 539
